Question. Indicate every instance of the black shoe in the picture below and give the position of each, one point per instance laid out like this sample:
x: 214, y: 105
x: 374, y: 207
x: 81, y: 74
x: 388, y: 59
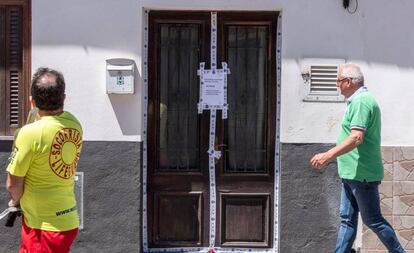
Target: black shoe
x: 353, y: 251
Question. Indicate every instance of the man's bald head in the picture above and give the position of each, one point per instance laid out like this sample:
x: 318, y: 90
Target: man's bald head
x: 48, y: 89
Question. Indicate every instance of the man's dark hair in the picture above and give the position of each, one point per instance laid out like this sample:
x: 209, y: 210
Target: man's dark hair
x: 48, y: 93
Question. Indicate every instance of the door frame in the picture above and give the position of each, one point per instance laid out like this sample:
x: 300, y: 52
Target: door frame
x: 277, y: 148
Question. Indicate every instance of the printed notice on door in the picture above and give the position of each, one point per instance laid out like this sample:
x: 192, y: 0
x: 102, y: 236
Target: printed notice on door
x: 213, y: 88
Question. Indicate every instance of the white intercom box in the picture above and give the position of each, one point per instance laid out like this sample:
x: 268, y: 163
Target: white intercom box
x: 120, y: 76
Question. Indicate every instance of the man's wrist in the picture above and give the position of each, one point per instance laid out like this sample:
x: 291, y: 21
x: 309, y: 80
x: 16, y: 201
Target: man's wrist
x: 330, y: 154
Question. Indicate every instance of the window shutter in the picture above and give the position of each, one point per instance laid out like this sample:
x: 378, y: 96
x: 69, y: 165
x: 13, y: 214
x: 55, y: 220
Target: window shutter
x: 2, y: 71
x: 14, y: 98
x: 14, y: 66
x: 15, y: 29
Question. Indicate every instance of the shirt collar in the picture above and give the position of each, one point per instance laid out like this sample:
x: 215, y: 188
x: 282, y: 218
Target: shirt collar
x: 360, y: 90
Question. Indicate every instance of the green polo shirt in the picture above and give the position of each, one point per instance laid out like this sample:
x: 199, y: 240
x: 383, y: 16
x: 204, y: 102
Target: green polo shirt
x: 363, y: 162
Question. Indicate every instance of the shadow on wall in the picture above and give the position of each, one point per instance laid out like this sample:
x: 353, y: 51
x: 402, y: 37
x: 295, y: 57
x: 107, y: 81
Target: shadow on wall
x: 8, y: 241
x: 310, y: 201
x: 6, y: 146
x: 125, y: 105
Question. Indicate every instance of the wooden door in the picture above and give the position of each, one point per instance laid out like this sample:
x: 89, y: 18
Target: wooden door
x: 245, y: 173
x: 177, y: 135
x: 178, y: 175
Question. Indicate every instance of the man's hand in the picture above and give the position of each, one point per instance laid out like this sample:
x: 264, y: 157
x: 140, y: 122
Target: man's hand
x: 352, y: 141
x: 319, y: 160
x: 15, y: 186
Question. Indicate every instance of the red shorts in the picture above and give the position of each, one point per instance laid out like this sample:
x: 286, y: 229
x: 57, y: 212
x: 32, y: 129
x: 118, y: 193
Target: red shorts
x: 39, y: 241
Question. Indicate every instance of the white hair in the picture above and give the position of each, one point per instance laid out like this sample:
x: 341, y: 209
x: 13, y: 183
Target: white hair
x: 353, y: 72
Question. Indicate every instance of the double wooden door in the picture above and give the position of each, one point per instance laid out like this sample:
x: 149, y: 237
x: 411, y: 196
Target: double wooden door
x: 178, y: 137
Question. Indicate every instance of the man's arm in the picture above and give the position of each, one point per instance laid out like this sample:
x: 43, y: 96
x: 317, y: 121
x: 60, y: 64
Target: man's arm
x: 14, y: 186
x: 354, y: 139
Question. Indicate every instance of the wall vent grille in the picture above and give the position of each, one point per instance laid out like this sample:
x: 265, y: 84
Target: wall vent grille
x: 323, y: 80
x: 319, y: 76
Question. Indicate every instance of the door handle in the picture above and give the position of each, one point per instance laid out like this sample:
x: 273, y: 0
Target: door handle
x: 220, y: 146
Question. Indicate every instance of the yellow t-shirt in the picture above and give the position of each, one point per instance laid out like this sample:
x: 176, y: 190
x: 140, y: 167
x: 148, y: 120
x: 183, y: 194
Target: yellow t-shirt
x: 46, y: 154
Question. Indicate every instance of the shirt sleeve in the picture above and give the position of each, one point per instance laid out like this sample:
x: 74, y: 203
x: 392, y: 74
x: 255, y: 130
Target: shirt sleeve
x: 22, y: 154
x: 360, y: 116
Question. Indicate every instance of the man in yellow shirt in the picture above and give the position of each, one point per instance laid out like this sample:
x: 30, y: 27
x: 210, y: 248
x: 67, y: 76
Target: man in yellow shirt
x: 42, y: 167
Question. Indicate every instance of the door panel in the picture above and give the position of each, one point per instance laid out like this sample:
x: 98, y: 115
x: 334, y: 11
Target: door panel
x: 185, y: 227
x: 178, y: 121
x: 178, y: 137
x: 245, y: 178
x: 245, y: 220
x: 247, y: 90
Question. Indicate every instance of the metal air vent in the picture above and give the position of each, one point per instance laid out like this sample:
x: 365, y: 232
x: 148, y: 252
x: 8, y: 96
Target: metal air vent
x: 320, y: 77
x: 323, y: 80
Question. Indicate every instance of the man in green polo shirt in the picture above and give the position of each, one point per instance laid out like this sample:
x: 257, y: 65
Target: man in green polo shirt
x: 358, y: 153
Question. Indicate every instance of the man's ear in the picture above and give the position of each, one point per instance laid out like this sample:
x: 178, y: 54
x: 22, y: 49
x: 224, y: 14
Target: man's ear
x: 32, y: 102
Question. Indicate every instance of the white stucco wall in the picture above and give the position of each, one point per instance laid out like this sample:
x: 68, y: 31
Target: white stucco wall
x: 77, y: 37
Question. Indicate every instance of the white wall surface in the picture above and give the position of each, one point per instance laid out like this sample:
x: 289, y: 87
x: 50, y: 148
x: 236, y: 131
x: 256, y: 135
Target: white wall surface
x: 77, y: 37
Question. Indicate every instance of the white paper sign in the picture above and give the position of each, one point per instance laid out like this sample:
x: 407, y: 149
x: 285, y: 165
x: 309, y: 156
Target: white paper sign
x: 213, y: 88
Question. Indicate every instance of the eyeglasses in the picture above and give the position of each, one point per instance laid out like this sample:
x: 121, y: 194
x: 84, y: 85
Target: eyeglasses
x: 341, y: 80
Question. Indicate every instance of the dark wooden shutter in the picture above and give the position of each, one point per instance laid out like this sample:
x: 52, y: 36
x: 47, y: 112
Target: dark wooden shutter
x: 14, y: 67
x: 12, y: 84
x: 2, y: 70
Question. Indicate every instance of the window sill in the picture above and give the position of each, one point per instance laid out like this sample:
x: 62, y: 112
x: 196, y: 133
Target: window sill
x: 324, y: 98
x: 6, y: 138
